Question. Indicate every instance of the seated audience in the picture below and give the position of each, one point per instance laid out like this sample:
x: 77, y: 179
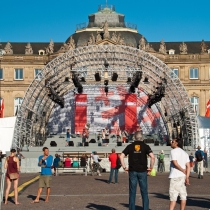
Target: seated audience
x: 75, y: 163
x: 67, y: 161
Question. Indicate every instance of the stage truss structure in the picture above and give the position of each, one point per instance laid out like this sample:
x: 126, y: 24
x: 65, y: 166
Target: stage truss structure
x: 36, y: 107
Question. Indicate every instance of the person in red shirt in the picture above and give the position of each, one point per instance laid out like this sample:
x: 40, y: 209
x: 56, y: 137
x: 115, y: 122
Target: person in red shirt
x: 113, y: 160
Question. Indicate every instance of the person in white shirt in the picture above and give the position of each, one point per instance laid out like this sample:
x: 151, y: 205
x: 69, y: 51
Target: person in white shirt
x: 179, y: 174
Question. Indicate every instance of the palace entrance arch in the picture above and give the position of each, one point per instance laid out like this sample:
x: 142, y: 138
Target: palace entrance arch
x: 105, y: 60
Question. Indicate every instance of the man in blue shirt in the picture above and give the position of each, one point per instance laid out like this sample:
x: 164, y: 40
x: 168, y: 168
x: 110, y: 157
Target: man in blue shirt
x: 199, y: 156
x: 45, y: 162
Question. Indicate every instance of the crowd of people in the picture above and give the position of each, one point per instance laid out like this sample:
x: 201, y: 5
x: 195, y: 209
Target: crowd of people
x: 181, y: 164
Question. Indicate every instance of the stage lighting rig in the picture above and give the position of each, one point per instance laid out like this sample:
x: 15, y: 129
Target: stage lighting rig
x: 53, y: 95
x: 158, y: 94
x: 135, y: 81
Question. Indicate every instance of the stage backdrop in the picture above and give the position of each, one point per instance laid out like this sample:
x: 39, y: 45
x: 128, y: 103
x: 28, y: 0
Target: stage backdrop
x: 117, y: 109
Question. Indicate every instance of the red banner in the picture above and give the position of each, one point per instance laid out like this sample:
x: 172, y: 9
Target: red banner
x: 130, y: 113
x: 207, y: 109
x: 80, y: 112
x: 2, y: 108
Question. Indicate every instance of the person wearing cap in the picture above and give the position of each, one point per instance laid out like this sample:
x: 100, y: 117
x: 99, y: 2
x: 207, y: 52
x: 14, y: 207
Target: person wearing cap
x: 137, y: 153
x: 199, y: 157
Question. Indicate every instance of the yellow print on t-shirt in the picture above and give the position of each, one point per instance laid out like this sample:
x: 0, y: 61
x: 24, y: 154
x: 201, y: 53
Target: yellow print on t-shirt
x: 137, y: 148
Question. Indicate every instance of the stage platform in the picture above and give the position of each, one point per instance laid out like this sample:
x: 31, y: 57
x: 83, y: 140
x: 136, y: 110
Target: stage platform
x: 78, y: 148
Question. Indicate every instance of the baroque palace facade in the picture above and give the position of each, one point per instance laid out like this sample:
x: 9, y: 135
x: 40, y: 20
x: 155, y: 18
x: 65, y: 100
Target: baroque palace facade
x: 21, y: 63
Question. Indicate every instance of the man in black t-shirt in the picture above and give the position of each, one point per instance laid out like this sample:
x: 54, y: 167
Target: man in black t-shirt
x: 137, y: 159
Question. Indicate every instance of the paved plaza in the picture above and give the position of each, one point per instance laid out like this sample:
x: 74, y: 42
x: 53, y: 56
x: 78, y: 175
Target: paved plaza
x: 92, y: 192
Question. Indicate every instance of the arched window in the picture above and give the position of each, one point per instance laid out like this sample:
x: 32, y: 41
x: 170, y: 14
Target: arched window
x: 18, y: 102
x: 195, y: 103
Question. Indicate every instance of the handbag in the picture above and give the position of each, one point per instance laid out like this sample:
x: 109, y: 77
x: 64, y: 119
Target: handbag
x: 12, y: 175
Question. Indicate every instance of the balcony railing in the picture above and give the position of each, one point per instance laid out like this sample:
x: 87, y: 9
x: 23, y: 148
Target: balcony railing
x: 111, y: 25
x: 102, y: 7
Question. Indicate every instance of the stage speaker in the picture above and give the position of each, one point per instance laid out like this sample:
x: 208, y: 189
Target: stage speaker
x: 107, y: 141
x: 71, y: 143
x: 86, y: 144
x: 73, y: 135
x: 53, y: 144
x: 156, y: 143
x: 119, y: 144
x: 92, y: 141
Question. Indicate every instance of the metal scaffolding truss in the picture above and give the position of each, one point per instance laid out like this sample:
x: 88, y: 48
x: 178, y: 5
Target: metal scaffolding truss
x: 86, y: 61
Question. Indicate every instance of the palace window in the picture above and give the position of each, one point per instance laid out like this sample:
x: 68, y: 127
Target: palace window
x: 176, y: 71
x: 1, y: 74
x: 193, y: 73
x: 18, y: 74
x: 195, y: 104
x: 37, y: 75
x: 18, y: 102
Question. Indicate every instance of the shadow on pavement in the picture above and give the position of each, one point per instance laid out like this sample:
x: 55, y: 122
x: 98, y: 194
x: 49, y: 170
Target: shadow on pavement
x: 191, y: 201
x: 127, y: 206
x: 98, y: 206
x: 33, y: 197
x: 102, y: 180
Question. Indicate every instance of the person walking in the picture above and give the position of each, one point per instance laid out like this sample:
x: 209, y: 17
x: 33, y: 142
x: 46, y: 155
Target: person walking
x: 205, y: 161
x: 199, y: 156
x: 179, y: 174
x: 161, y: 161
x: 68, y: 136
x: 45, y: 162
x: 113, y: 170
x: 12, y: 166
x: 137, y: 158
x: 96, y: 165
x: 191, y: 162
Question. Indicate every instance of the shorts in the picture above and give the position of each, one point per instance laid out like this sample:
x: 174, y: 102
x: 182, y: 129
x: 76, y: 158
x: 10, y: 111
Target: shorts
x: 68, y: 139
x: 191, y: 164
x: 124, y: 139
x: 44, y: 181
x: 83, y: 140
x: 205, y: 164
x: 177, y: 188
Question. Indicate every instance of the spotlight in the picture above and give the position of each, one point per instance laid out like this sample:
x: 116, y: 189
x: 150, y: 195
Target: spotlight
x: 129, y: 80
x: 132, y: 89
x: 114, y: 77
x: 106, y: 82
x: 106, y: 90
x: 66, y: 81
x: 146, y: 80
x: 97, y: 77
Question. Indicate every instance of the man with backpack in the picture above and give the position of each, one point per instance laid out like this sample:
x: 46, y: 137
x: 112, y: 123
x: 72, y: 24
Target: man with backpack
x: 115, y: 165
x: 199, y: 156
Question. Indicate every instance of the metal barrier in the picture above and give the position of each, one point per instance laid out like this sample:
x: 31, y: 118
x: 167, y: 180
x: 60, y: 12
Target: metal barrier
x: 3, y: 175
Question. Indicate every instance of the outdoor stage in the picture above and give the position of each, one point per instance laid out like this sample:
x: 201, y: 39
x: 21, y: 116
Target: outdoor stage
x: 92, y: 192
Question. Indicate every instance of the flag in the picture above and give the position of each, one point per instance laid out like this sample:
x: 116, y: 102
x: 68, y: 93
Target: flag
x: 2, y: 108
x: 208, y: 109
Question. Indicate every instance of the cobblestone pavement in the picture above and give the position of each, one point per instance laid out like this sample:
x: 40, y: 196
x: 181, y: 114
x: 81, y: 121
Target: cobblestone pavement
x: 92, y: 192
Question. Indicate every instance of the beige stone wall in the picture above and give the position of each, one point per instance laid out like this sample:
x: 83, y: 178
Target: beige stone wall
x: 11, y: 88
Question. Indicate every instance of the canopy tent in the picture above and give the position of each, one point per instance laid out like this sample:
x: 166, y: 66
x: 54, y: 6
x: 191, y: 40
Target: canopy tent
x: 7, y: 126
x: 204, y: 132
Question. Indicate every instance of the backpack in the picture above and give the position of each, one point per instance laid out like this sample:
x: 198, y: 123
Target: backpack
x: 198, y: 156
x: 118, y: 166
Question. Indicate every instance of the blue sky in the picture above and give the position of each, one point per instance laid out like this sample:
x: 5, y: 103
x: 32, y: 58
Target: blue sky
x: 41, y: 20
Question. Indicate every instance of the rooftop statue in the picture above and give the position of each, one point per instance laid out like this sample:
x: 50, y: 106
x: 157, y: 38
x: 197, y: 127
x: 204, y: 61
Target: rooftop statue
x: 98, y: 37
x: 142, y: 43
x: 50, y: 48
x: 28, y: 49
x: 8, y: 49
x: 203, y: 47
x: 149, y: 48
x: 114, y: 36
x: 69, y: 46
x: 162, y: 48
x: 105, y: 30
x: 183, y: 48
